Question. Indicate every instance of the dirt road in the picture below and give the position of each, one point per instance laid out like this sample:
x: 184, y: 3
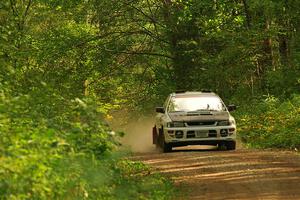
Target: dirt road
x: 241, y: 174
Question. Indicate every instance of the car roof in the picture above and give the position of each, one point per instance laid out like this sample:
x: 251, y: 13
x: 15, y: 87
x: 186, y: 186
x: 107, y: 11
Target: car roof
x: 194, y: 94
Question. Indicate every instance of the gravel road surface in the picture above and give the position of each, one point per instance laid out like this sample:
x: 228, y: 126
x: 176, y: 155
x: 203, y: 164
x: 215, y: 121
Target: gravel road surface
x: 206, y: 173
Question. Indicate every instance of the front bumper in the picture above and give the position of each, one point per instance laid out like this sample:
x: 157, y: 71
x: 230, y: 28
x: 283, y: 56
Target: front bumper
x: 209, y: 135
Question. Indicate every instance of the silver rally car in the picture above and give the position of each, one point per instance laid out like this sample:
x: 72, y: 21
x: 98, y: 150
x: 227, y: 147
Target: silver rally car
x: 194, y: 118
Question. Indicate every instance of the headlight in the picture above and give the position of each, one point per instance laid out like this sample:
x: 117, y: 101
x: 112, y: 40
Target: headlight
x: 175, y: 124
x: 224, y: 123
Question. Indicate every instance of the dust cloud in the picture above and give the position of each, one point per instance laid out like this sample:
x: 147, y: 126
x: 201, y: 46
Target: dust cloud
x: 138, y: 135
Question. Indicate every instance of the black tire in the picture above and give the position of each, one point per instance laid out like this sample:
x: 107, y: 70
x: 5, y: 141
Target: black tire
x: 166, y: 148
x: 157, y: 143
x: 159, y: 139
x: 230, y: 145
x: 161, y: 142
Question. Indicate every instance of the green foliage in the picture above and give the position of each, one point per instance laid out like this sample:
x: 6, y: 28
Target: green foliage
x: 33, y: 143
x: 57, y: 87
x: 66, y: 66
x: 67, y: 156
x: 271, y: 124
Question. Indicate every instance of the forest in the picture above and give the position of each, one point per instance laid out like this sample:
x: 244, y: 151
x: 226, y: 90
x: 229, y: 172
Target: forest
x: 68, y: 69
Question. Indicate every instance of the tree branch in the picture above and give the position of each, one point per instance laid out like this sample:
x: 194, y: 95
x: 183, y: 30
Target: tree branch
x: 98, y: 37
x: 27, y: 9
x: 140, y: 53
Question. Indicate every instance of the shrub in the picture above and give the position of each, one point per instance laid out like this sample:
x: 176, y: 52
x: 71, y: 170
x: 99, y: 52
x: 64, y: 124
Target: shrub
x: 63, y: 149
x: 272, y: 124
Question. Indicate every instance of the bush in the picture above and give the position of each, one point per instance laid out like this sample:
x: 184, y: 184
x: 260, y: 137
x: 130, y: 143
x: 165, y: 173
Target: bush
x: 63, y: 149
x: 271, y: 124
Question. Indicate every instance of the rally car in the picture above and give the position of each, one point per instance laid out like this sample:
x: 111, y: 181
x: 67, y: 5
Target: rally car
x: 194, y: 118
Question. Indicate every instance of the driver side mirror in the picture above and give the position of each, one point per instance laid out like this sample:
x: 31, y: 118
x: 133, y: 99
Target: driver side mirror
x: 160, y: 109
x: 231, y: 107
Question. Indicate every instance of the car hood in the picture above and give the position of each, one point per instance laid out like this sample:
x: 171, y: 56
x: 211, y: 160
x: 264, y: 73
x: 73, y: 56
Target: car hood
x: 200, y: 116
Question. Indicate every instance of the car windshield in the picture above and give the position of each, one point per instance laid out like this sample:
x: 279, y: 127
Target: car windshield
x: 194, y: 104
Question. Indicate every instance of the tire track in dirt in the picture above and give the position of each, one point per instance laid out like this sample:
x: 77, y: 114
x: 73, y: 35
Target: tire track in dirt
x: 242, y: 174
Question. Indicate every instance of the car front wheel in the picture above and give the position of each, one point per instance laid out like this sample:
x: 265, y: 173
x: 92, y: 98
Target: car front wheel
x: 230, y: 145
x: 161, y: 142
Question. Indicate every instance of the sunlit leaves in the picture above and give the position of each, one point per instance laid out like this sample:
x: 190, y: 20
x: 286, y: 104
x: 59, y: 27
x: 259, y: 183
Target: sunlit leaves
x: 271, y: 124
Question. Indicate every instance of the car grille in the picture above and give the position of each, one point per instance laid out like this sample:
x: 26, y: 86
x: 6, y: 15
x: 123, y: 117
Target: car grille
x: 212, y: 133
x: 203, y: 123
x: 192, y: 134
